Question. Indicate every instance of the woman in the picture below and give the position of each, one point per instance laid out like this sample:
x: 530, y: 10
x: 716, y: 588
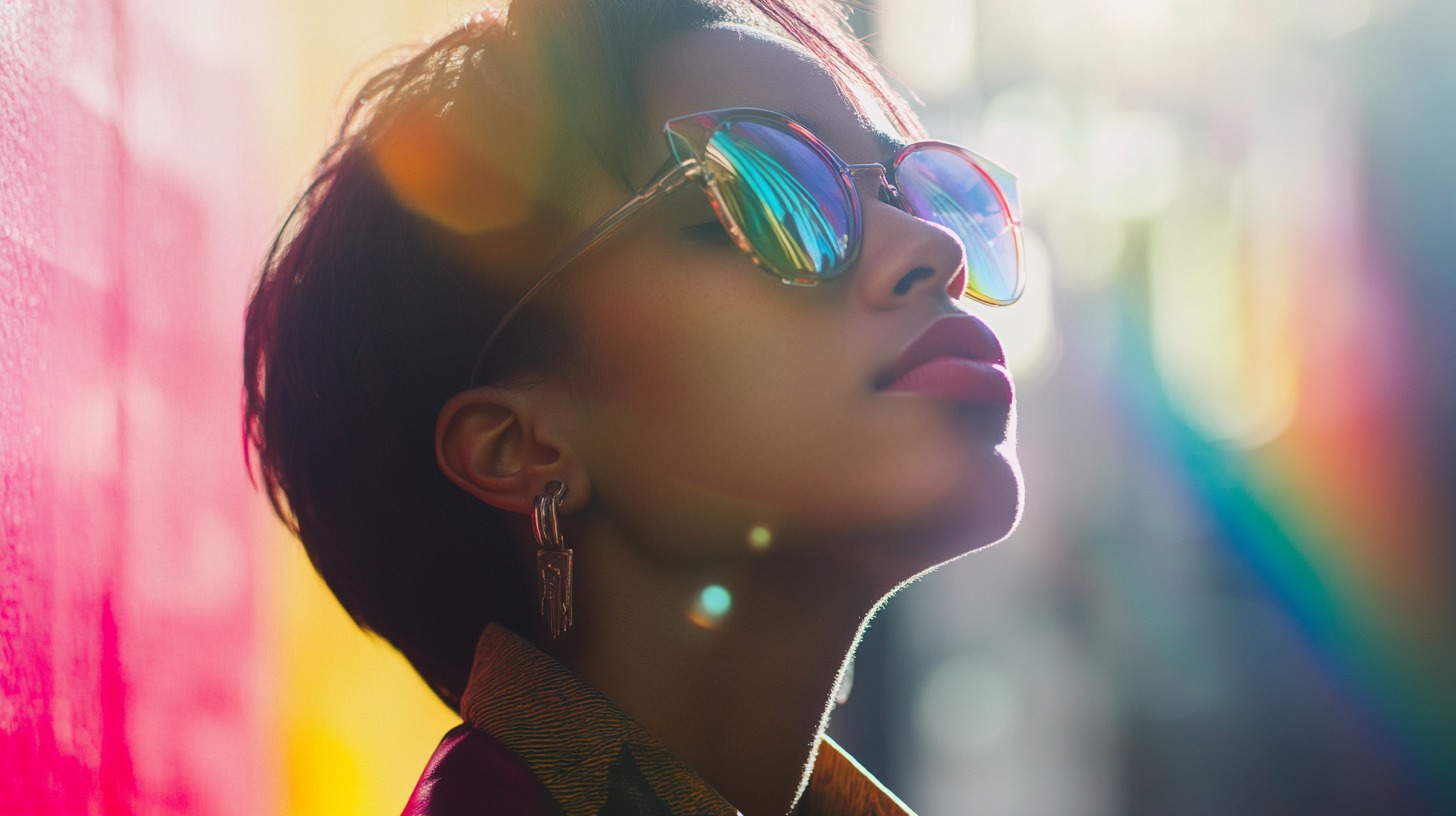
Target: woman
x: 524, y: 376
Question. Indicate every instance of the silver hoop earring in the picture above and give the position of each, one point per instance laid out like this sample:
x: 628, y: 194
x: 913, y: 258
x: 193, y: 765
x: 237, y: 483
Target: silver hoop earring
x: 553, y: 560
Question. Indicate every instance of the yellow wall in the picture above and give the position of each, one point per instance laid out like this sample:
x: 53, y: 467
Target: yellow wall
x: 354, y: 725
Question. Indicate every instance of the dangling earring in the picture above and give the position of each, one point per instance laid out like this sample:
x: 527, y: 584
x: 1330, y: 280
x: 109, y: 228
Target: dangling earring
x: 553, y: 560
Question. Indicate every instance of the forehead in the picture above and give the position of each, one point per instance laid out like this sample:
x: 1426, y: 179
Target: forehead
x: 730, y: 67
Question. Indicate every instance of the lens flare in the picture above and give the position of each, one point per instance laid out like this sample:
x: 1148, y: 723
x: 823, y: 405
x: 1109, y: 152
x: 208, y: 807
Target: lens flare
x: 439, y: 174
x: 711, y: 607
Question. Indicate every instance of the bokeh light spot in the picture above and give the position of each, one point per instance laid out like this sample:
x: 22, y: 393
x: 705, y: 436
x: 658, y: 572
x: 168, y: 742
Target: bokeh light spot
x: 1026, y: 129
x: 1135, y: 165
x: 930, y: 44
x: 966, y: 707
x: 715, y: 600
x: 760, y: 537
x: 711, y: 606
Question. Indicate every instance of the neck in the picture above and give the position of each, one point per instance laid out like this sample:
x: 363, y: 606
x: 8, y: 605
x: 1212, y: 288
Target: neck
x: 743, y: 698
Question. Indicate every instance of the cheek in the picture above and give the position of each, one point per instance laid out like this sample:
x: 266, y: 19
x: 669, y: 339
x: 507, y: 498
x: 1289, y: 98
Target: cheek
x: 689, y: 370
x: 712, y: 403
x: 702, y: 394
x: 654, y: 351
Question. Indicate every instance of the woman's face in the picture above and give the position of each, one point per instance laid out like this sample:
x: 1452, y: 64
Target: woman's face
x: 715, y: 407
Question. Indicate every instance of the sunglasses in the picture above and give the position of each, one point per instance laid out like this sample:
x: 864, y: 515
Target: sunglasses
x: 790, y: 204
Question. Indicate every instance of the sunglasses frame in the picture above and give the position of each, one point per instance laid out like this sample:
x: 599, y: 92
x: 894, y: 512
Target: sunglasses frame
x: 693, y: 132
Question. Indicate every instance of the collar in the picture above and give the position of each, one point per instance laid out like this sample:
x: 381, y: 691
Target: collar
x: 595, y: 759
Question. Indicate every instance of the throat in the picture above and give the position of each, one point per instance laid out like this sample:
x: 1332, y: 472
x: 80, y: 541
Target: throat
x: 741, y: 701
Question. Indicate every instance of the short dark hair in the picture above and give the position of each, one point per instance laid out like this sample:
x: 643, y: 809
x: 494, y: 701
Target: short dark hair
x: 367, y: 317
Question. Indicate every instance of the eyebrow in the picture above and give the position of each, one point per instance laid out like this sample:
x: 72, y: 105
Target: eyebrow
x: 887, y: 145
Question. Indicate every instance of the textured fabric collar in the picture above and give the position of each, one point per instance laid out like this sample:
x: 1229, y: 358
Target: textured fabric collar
x: 595, y: 760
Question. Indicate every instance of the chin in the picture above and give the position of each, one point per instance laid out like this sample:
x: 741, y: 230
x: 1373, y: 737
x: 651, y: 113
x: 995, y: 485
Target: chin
x: 967, y: 515
x: 982, y: 498
x: 979, y: 512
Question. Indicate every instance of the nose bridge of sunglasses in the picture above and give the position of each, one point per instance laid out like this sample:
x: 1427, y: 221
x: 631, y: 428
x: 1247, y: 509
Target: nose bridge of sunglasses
x: 876, y: 170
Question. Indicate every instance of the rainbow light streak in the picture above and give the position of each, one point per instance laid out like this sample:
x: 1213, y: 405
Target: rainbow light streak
x: 1326, y: 565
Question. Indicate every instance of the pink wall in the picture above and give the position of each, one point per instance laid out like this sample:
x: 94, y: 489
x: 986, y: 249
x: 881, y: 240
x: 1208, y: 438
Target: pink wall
x: 129, y: 225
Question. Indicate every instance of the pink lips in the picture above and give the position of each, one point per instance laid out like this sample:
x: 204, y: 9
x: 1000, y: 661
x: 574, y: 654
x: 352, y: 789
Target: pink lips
x: 956, y: 358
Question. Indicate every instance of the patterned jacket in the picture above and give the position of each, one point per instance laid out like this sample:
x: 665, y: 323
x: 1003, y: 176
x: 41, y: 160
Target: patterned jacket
x: 538, y: 741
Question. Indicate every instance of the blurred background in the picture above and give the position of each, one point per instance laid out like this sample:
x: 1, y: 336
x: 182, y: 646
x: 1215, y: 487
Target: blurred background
x: 1235, y: 587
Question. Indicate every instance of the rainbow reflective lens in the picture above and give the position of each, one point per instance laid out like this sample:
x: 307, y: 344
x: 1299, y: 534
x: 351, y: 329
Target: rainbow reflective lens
x: 790, y: 203
x: 943, y: 184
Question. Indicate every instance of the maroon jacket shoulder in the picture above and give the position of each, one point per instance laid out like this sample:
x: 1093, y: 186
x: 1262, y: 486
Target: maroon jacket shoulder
x: 472, y: 774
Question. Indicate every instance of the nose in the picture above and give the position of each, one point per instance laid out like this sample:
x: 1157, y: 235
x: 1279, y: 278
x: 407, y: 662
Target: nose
x: 903, y: 257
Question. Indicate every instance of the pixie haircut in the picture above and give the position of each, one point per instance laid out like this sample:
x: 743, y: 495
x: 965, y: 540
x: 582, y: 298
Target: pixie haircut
x: 385, y: 280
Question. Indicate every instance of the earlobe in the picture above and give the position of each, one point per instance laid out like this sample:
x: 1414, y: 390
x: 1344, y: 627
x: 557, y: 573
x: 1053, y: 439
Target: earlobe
x: 491, y: 442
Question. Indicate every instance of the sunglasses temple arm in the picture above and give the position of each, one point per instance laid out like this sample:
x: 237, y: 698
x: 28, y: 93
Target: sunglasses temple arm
x: 667, y: 179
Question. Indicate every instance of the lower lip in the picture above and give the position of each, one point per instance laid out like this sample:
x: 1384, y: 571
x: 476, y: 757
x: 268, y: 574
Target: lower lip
x: 975, y: 382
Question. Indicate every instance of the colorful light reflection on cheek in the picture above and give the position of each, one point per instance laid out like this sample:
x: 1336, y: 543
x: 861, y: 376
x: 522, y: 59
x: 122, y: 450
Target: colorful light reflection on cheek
x: 711, y: 607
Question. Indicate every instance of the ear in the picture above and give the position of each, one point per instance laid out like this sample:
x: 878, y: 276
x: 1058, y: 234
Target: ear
x: 501, y: 446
